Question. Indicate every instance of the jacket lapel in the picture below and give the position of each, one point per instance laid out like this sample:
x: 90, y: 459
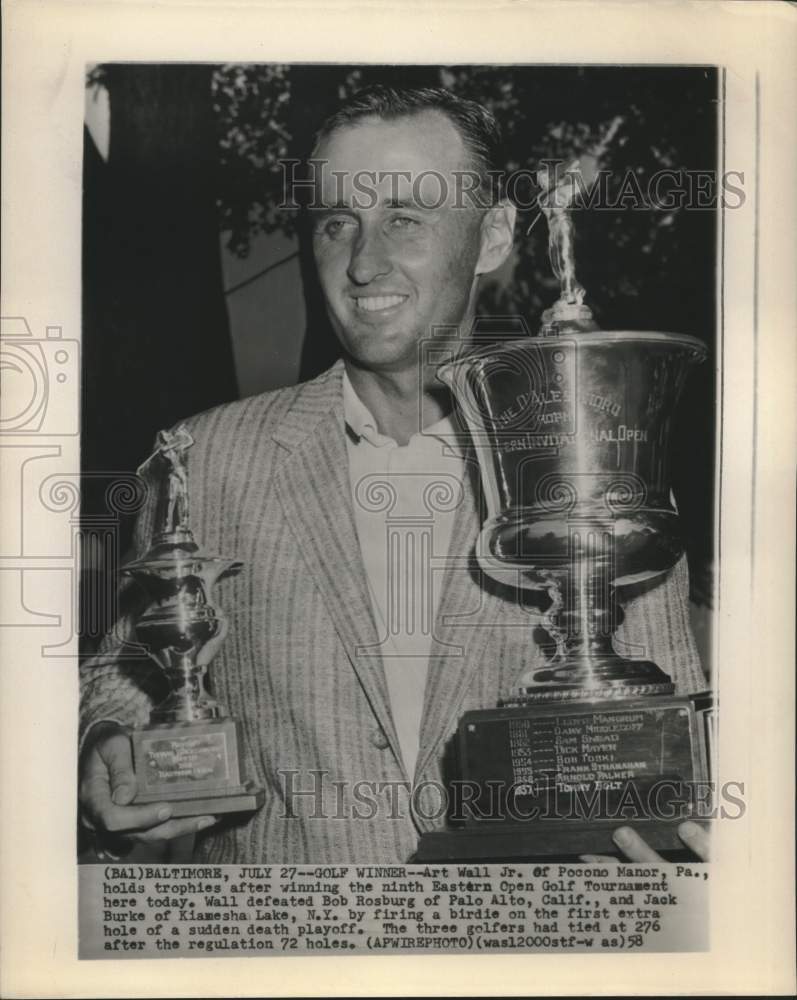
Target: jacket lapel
x: 313, y: 486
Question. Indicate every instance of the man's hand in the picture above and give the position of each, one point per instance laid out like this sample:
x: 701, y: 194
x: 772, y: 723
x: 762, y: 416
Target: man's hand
x: 634, y: 847
x: 108, y: 786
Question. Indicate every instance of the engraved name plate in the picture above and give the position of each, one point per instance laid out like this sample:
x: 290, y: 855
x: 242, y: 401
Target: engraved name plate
x: 604, y: 761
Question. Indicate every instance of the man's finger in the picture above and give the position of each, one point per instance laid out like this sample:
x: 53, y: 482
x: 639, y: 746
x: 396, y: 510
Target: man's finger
x: 116, y: 753
x: 95, y: 790
x: 696, y: 838
x: 123, y: 819
x: 633, y: 846
x: 174, y: 828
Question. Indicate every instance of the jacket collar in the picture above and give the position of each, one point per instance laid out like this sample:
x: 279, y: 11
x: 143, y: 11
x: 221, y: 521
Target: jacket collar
x: 313, y: 402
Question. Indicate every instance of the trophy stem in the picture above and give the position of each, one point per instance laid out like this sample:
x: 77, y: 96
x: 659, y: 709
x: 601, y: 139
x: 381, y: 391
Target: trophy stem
x: 581, y: 621
x: 583, y: 628
x: 188, y: 701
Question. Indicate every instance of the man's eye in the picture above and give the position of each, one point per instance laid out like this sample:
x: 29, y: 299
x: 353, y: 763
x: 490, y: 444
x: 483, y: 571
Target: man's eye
x: 336, y: 227
x: 405, y: 222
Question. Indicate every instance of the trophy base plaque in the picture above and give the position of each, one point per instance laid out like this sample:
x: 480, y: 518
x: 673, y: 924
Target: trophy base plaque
x: 194, y: 766
x: 558, y: 778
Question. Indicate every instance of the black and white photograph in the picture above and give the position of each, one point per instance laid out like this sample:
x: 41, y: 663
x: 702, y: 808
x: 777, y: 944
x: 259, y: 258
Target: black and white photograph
x: 370, y: 612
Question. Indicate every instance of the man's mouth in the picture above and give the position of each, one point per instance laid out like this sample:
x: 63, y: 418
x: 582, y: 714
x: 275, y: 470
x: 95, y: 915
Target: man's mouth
x: 378, y: 303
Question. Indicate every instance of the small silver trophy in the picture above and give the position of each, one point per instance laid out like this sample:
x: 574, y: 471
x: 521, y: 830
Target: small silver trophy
x: 188, y: 754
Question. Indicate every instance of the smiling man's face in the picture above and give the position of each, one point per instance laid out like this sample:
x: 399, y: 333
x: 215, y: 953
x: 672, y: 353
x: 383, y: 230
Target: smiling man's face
x: 393, y: 270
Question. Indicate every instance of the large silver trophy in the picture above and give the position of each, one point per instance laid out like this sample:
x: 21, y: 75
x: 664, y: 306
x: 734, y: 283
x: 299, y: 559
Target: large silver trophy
x: 571, y: 430
x: 188, y: 754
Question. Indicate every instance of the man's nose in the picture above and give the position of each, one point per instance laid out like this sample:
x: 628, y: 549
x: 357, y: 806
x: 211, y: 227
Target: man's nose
x: 369, y: 258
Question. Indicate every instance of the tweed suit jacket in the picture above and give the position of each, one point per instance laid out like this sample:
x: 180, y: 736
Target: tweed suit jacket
x: 300, y: 666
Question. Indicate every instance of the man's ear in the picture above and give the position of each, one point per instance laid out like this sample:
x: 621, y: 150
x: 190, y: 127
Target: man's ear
x: 497, y: 233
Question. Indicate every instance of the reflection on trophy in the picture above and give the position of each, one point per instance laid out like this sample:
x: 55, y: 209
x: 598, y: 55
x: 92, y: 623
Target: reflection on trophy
x: 188, y: 754
x: 571, y: 431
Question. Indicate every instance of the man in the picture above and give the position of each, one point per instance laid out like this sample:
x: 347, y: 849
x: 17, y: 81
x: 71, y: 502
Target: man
x: 347, y: 707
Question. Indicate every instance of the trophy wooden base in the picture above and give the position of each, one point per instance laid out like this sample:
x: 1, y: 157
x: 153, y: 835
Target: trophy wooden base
x: 245, y: 798
x: 194, y: 766
x: 542, y: 840
x: 557, y: 779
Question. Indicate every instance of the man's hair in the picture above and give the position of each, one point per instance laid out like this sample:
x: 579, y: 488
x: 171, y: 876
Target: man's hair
x: 477, y: 127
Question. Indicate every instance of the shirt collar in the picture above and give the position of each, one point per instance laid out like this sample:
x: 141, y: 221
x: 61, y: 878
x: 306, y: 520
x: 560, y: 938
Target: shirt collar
x: 359, y: 418
x: 362, y: 424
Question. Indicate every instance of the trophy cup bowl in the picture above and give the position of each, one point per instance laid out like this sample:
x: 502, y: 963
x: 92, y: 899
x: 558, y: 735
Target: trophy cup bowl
x: 177, y: 625
x: 572, y: 436
x: 571, y: 433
